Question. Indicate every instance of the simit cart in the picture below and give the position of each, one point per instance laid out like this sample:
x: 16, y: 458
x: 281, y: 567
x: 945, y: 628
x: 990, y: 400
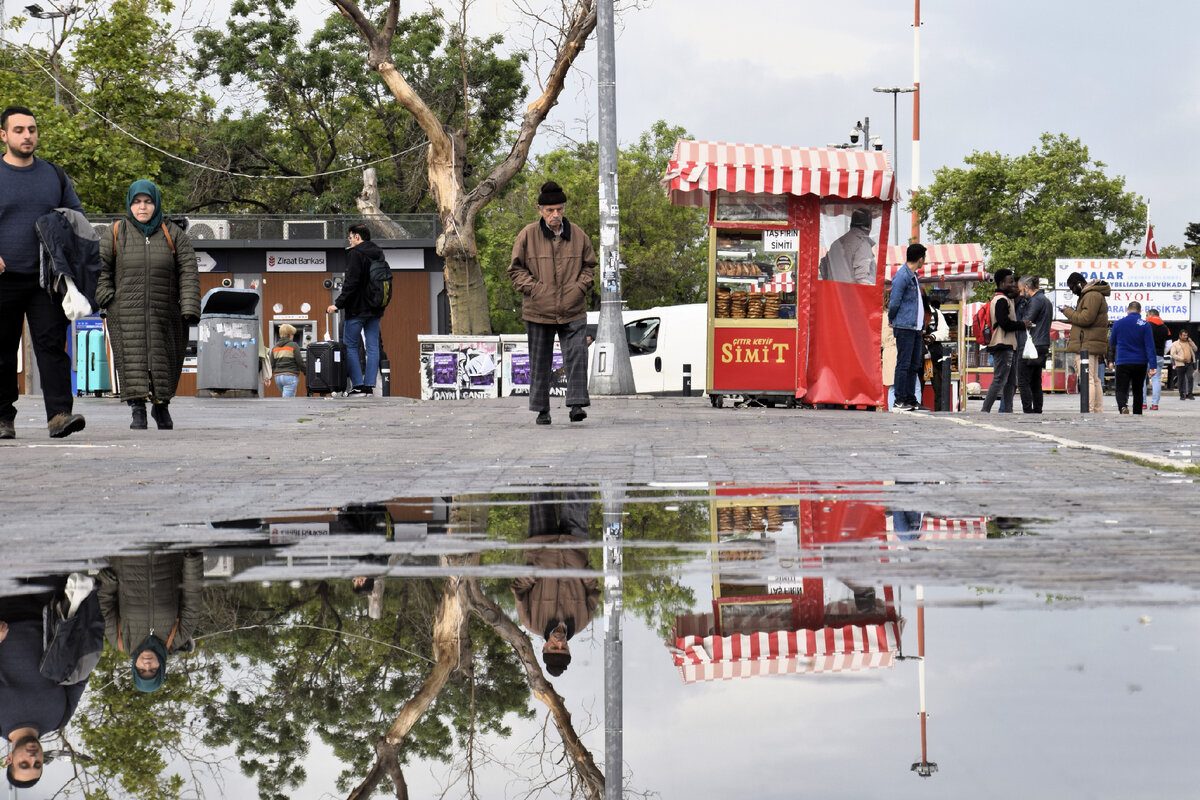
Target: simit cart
x: 795, y: 278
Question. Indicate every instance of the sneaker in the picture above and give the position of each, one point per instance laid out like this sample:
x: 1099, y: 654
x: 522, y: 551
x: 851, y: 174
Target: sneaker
x: 1154, y: 406
x: 918, y: 407
x: 578, y: 414
x: 901, y: 407
x: 361, y: 391
x: 65, y: 424
x: 543, y: 418
x: 7, y: 430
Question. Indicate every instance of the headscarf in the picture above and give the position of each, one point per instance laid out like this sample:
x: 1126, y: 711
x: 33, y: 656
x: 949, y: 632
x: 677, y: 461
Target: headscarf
x: 147, y: 188
x: 152, y: 643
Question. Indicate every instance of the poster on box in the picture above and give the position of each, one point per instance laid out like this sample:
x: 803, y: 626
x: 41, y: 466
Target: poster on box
x: 516, y: 371
x: 456, y: 368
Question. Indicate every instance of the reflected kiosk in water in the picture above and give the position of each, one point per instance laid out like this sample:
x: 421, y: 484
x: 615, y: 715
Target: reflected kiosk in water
x: 773, y: 619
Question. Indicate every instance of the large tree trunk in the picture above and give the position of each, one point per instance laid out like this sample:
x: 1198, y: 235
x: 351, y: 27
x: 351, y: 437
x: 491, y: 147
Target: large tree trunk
x: 449, y: 642
x: 456, y: 207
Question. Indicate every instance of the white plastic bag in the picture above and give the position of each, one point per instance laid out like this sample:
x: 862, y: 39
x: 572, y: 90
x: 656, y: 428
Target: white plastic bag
x: 1030, y: 352
x: 74, y: 304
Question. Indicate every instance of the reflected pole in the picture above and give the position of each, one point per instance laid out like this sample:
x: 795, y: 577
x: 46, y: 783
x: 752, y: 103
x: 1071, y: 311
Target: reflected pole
x: 612, y: 500
x: 924, y: 767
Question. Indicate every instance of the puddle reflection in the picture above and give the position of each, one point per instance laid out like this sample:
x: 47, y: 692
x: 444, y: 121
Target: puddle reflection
x: 453, y: 646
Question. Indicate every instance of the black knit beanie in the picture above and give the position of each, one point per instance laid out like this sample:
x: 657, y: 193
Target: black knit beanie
x: 551, y: 194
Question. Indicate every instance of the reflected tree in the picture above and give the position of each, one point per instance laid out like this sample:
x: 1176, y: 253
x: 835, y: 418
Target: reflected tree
x: 302, y: 664
x: 131, y: 736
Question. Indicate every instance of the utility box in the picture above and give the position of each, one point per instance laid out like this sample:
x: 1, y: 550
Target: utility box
x: 228, y: 349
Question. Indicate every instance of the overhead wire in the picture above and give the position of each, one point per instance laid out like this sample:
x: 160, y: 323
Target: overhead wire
x: 29, y: 54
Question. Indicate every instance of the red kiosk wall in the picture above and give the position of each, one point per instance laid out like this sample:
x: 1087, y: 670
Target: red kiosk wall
x: 754, y: 359
x: 844, y: 362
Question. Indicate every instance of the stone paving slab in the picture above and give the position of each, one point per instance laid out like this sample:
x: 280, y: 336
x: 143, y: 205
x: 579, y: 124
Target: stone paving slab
x: 109, y: 487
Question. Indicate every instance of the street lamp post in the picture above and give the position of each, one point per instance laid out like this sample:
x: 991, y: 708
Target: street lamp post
x: 895, y: 92
x: 38, y: 12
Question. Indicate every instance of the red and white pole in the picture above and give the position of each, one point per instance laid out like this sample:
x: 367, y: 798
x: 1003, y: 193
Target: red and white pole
x: 916, y: 137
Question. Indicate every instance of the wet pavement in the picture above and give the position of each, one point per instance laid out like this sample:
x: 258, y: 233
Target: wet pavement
x: 794, y: 588
x: 110, y: 487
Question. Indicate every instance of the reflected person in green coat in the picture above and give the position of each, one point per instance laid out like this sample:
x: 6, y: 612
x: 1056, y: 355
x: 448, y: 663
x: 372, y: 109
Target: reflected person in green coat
x: 149, y: 288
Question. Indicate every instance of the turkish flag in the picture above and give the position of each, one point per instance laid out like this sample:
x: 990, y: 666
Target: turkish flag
x: 1151, y: 247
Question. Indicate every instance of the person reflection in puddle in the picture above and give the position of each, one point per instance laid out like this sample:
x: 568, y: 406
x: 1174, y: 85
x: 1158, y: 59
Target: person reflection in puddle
x: 151, y: 604
x: 30, y: 704
x: 557, y: 608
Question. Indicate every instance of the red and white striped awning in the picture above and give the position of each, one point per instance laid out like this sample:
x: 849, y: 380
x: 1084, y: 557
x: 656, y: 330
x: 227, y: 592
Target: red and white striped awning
x: 698, y: 168
x: 963, y: 262
x: 945, y: 528
x: 782, y: 652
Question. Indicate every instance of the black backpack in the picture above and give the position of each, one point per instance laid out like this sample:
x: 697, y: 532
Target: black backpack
x: 379, y: 285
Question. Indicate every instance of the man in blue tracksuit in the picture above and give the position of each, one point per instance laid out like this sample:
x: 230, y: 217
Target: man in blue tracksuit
x: 1131, y: 346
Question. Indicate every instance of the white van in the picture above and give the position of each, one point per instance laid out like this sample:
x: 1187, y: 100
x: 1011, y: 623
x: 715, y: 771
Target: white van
x: 661, y: 341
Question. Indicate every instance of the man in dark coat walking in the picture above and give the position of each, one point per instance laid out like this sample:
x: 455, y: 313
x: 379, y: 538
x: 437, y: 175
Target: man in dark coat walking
x: 553, y: 264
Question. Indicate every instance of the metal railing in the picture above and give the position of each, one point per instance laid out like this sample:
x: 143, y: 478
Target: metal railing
x: 318, y: 227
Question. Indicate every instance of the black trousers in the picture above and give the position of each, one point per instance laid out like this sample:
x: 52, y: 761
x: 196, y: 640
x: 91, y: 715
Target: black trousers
x: 1029, y: 381
x: 1134, y: 374
x: 21, y: 298
x: 572, y: 337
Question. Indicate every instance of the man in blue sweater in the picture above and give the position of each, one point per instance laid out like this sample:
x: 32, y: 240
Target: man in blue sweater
x: 30, y: 705
x: 1131, y: 346
x: 30, y: 187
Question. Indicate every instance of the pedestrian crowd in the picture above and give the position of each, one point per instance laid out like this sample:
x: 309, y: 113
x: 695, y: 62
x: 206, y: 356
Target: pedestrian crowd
x: 1017, y: 340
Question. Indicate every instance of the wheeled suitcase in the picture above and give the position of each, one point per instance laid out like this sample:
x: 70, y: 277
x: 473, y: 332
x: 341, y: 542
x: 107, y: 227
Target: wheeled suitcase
x: 97, y: 363
x: 81, y: 359
x: 325, y: 368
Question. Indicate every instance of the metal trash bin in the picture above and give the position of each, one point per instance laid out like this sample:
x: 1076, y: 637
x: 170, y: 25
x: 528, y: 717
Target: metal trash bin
x: 227, y: 352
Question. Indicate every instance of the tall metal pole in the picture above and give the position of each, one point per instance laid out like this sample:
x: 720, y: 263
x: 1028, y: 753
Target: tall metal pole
x: 614, y: 603
x: 611, y: 372
x: 916, y: 154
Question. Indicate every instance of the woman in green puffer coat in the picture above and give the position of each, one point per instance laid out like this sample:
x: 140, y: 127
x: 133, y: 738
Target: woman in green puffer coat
x: 149, y: 288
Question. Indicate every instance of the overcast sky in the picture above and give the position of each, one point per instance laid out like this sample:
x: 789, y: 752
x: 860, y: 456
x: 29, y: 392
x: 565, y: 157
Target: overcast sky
x: 1123, y: 78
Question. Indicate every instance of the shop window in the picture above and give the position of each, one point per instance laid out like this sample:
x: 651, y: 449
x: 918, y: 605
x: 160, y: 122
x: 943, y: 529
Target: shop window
x: 849, y: 236
x: 751, y: 282
x: 642, y: 336
x: 744, y: 207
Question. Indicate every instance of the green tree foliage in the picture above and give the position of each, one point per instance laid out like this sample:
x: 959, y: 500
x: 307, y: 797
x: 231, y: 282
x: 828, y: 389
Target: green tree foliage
x: 663, y: 247
x: 129, y: 734
x: 1189, y: 249
x: 1052, y: 202
x: 318, y: 110
x: 121, y: 60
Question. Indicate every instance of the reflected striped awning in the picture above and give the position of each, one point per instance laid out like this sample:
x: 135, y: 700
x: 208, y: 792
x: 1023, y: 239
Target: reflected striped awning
x: 852, y: 647
x: 698, y: 168
x: 942, y: 262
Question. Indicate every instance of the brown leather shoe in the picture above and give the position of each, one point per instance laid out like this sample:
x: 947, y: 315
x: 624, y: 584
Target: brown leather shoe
x: 65, y: 424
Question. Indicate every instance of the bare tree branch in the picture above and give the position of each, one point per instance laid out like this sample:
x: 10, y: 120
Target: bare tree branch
x: 581, y: 757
